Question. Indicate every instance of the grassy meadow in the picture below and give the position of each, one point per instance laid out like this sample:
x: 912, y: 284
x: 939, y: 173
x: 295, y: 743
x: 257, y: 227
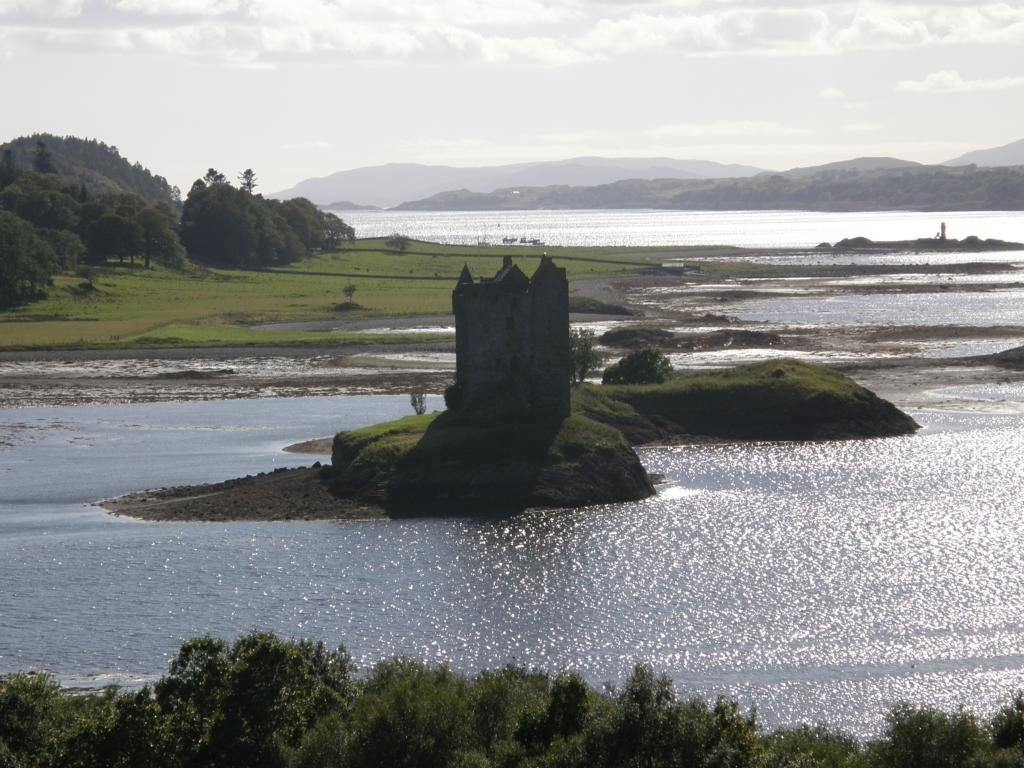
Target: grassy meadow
x: 131, y: 307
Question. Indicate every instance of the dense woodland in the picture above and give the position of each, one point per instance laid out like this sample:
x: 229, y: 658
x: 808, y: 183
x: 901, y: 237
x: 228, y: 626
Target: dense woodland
x: 91, y: 163
x: 923, y: 187
x: 263, y: 702
x: 80, y: 203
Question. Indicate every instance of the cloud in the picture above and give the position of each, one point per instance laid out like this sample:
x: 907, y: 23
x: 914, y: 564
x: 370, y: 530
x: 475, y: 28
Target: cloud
x: 950, y: 81
x: 179, y: 7
x: 524, y: 32
x: 831, y: 94
x: 41, y: 9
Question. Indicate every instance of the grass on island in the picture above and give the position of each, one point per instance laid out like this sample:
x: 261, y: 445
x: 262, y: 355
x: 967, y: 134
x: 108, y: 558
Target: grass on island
x: 134, y: 307
x: 774, y: 400
x: 443, y: 463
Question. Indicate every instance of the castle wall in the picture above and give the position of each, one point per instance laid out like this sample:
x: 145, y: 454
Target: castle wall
x: 549, y: 336
x: 512, y: 341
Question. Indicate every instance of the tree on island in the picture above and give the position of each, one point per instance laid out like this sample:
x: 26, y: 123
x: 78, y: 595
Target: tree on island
x: 583, y: 357
x: 418, y: 401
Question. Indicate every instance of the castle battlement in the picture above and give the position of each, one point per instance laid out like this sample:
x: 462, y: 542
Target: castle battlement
x: 512, y: 340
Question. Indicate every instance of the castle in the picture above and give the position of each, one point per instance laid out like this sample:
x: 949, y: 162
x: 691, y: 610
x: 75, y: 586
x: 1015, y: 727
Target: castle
x: 512, y: 341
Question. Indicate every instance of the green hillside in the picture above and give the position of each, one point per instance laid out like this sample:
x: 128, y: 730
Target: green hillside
x: 98, y: 166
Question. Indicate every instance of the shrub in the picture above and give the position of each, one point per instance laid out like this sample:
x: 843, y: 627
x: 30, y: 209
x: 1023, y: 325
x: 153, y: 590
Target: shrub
x: 645, y: 366
x: 1008, y: 725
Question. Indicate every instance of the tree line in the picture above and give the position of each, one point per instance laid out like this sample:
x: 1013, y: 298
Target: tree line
x: 51, y: 223
x: 223, y: 224
x: 263, y: 702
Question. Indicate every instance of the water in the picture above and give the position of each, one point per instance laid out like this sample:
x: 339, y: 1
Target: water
x: 822, y: 579
x: 1015, y: 258
x: 998, y: 307
x: 768, y: 229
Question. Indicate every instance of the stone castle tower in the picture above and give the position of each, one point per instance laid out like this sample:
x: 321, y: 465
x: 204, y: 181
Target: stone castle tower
x: 512, y: 341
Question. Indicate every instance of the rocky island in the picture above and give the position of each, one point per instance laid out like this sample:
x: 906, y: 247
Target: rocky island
x: 516, y: 435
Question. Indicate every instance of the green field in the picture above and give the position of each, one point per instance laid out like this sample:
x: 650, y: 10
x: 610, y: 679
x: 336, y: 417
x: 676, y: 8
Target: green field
x: 131, y: 307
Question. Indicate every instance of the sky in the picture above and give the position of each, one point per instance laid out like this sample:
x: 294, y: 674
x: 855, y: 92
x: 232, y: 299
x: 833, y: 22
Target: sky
x: 302, y: 88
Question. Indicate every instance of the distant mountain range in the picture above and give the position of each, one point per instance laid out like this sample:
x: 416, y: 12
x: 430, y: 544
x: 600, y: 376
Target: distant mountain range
x: 1009, y: 154
x: 632, y: 182
x: 864, y: 184
x: 388, y: 185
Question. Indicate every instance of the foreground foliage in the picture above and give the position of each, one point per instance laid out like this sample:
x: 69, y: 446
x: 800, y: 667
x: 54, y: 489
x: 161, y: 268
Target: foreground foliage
x: 264, y: 702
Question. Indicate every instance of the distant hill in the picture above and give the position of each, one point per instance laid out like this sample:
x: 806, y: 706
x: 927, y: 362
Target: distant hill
x: 857, y: 164
x: 389, y: 185
x: 96, y: 165
x: 1010, y: 154
x: 348, y: 205
x: 835, y: 187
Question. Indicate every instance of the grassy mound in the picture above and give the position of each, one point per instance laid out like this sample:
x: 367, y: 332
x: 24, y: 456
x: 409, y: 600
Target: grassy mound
x: 776, y: 400
x: 442, y: 464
